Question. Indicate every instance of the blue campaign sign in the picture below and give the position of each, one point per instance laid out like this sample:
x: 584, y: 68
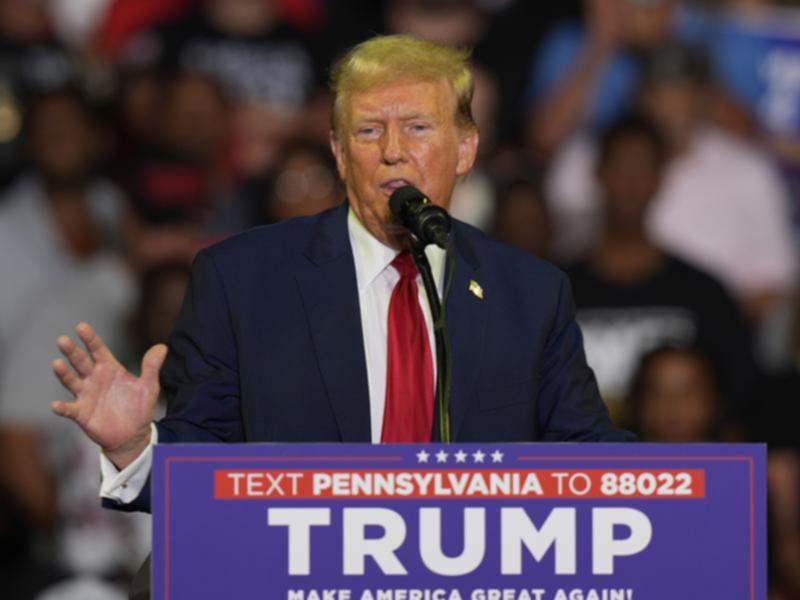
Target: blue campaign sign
x: 462, y: 521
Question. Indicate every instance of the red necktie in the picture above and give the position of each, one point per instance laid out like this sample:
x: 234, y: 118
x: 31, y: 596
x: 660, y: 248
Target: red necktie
x: 408, y: 416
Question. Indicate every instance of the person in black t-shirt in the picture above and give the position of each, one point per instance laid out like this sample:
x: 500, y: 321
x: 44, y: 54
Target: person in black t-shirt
x: 245, y: 45
x: 267, y: 70
x: 633, y: 297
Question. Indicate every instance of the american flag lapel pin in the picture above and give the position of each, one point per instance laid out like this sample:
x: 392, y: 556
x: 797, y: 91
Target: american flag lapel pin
x: 476, y: 289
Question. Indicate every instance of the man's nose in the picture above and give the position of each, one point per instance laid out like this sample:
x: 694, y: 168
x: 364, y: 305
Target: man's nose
x: 393, y: 148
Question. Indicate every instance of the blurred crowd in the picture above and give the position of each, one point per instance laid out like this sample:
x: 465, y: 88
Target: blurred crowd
x: 651, y: 148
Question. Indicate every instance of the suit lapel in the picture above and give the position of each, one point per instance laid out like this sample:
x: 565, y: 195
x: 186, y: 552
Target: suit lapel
x: 327, y: 282
x: 466, y: 325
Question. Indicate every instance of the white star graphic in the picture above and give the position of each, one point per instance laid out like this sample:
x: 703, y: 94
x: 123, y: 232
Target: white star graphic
x: 422, y: 456
x: 497, y: 456
x: 478, y: 456
x: 441, y: 456
x: 461, y: 456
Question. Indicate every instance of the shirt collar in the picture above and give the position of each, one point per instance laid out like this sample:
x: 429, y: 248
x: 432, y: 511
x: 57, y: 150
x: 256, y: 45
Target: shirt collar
x: 372, y: 256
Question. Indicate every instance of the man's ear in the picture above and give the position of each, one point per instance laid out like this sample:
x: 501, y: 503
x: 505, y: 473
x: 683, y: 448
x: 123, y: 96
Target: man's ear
x: 338, y: 153
x: 467, y: 151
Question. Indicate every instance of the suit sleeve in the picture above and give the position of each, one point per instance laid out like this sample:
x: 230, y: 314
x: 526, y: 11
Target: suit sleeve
x: 200, y: 375
x: 570, y: 407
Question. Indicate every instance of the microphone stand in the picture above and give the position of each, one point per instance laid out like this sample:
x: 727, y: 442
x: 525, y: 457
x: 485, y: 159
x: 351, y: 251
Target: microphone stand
x: 438, y: 313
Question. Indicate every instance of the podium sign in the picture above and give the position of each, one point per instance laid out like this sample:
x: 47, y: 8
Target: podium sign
x: 468, y: 521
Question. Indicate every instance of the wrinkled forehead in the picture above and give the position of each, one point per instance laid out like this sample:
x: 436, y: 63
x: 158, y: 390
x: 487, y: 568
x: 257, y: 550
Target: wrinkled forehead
x: 400, y: 95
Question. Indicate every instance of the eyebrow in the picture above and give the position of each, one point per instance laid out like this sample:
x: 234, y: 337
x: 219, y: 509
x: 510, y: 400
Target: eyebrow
x: 414, y: 116
x: 374, y: 117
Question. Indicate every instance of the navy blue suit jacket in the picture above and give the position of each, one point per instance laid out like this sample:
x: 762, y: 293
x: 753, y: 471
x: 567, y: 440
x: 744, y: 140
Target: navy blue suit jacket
x: 268, y: 346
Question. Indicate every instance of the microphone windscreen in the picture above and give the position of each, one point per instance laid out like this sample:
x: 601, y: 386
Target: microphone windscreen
x: 401, y: 196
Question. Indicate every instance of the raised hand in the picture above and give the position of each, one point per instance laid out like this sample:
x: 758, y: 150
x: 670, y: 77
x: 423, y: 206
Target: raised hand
x: 113, y: 407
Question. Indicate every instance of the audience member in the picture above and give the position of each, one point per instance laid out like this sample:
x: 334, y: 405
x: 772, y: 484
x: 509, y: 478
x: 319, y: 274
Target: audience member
x: 57, y: 230
x: 783, y: 494
x: 774, y: 421
x: 513, y: 32
x: 124, y: 19
x: 456, y: 23
x: 181, y: 185
x: 244, y: 44
x: 267, y: 70
x: 775, y: 416
x: 168, y: 196
x: 755, y: 55
x: 674, y: 398
x: 59, y: 212
x: 585, y: 75
x: 31, y: 61
x: 304, y: 184
x: 721, y: 206
x: 194, y: 119
x: 136, y: 110
x: 22, y: 573
x: 96, y: 551
x: 633, y: 296
x: 521, y: 217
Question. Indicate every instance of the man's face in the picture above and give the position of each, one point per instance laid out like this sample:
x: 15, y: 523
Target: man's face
x: 400, y: 134
x: 62, y: 141
x: 678, y: 108
x: 678, y: 402
x: 630, y: 177
x: 646, y: 23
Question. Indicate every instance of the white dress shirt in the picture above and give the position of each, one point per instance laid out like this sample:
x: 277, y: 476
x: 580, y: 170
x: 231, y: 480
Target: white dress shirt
x: 376, y: 279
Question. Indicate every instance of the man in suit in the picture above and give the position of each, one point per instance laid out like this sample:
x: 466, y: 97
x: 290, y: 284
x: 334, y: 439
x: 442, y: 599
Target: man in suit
x: 291, y: 332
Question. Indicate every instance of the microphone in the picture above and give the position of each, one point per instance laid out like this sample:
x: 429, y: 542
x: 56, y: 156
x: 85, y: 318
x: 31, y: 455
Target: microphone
x: 429, y: 223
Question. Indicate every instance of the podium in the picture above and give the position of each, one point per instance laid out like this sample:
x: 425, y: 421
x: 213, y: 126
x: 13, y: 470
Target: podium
x: 468, y: 521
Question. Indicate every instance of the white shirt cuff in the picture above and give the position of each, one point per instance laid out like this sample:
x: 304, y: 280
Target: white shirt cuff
x: 125, y: 486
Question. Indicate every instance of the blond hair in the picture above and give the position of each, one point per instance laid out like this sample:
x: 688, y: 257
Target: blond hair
x: 393, y: 58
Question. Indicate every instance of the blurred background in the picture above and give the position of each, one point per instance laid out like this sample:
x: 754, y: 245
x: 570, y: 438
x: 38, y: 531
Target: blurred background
x: 651, y: 148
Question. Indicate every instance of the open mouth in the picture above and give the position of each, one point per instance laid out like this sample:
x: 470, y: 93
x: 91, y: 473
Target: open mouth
x: 391, y: 185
